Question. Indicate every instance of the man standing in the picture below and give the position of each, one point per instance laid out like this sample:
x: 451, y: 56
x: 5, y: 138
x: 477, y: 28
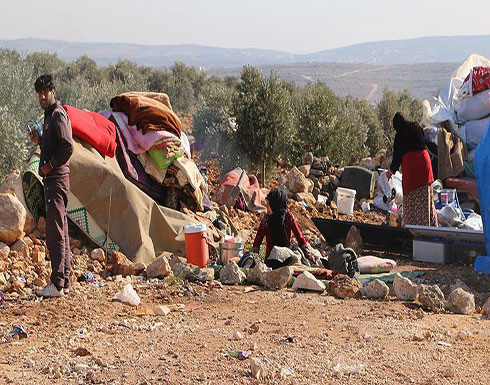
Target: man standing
x: 56, y: 149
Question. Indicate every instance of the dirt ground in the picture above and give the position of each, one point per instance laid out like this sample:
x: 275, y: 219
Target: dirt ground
x: 319, y: 339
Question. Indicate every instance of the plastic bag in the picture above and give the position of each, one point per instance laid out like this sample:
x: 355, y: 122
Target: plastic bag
x: 474, y: 108
x: 385, y: 187
x: 128, y: 295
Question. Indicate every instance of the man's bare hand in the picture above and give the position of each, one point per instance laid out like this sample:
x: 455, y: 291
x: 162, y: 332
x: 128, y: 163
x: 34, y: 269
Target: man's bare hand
x: 46, y: 169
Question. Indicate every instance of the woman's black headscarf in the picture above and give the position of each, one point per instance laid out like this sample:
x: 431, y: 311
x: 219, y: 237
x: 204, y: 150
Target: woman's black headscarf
x: 404, y: 126
x: 278, y: 201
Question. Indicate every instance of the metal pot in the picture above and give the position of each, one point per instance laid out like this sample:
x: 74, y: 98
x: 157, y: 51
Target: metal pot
x: 230, y: 250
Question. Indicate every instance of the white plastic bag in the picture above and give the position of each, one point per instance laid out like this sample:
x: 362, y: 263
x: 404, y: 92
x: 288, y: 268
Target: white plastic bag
x: 474, y: 130
x: 128, y: 295
x: 384, y: 187
x: 474, y: 108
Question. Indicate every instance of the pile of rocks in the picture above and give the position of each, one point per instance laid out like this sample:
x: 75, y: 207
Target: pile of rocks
x: 315, y: 177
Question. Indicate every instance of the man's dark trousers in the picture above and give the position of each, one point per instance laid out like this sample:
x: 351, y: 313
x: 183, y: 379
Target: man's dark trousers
x: 56, y: 189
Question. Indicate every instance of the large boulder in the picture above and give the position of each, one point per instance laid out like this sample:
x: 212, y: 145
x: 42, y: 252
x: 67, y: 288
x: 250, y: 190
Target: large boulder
x: 98, y: 255
x: 297, y: 182
x: 376, y: 289
x: 278, y: 278
x: 13, y: 184
x: 460, y: 302
x: 256, y: 274
x: 159, y: 268
x: 343, y: 286
x: 307, y: 281
x: 121, y: 265
x: 431, y: 297
x: 231, y: 274
x: 12, y: 218
x: 405, y: 289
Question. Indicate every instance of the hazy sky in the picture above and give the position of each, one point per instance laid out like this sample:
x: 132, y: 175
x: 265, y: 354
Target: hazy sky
x: 296, y: 26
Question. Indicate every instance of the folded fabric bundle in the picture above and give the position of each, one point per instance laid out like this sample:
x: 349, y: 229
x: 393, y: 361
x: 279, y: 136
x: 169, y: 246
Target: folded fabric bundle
x: 371, y: 264
x: 94, y: 129
x: 477, y: 81
x: 147, y: 114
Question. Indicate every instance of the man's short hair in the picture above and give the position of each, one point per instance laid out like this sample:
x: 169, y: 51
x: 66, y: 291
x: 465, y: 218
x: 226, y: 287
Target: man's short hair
x: 44, y: 83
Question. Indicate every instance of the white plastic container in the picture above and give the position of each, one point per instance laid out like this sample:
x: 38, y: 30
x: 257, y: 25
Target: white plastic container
x: 345, y: 200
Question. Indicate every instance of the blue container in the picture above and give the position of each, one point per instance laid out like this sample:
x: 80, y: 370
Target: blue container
x: 482, y: 264
x: 482, y: 172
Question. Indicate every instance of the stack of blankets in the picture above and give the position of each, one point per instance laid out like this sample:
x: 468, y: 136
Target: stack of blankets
x: 145, y: 135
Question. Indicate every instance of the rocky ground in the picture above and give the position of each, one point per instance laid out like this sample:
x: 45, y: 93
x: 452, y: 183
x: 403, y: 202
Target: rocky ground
x: 86, y: 337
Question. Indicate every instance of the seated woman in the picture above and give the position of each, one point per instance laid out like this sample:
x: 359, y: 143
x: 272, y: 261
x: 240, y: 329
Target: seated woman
x: 276, y: 226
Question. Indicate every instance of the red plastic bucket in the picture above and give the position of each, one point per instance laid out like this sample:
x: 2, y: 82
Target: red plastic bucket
x: 196, y: 246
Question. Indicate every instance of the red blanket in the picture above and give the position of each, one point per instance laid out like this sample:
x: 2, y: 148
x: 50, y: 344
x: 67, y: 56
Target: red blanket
x: 94, y: 129
x: 417, y: 171
x: 249, y: 187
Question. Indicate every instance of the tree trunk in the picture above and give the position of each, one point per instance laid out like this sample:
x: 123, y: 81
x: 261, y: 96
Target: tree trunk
x: 263, y: 172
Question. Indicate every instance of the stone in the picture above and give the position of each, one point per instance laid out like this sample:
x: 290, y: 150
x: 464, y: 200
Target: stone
x: 305, y: 169
x: 308, y: 198
x: 278, y: 278
x: 183, y: 270
x: 98, y: 255
x: 343, y: 286
x: 41, y: 226
x: 404, y: 288
x: 160, y: 309
x: 260, y: 368
x: 459, y: 284
x: 21, y: 248
x: 256, y: 274
x: 237, y: 336
x: 310, y: 185
x: 431, y: 297
x: 231, y: 274
x: 206, y: 274
x: 461, y: 302
x: 283, y: 253
x: 297, y: 182
x: 28, y: 241
x: 159, y: 268
x: 12, y: 218
x: 174, y: 260
x: 4, y: 251
x: 354, y: 240
x: 308, y: 158
x: 317, y: 173
x: 338, y: 172
x: 13, y: 184
x: 334, y: 181
x: 38, y: 255
x: 376, y: 289
x: 139, y: 268
x: 307, y: 281
x: 121, y: 265
x: 486, y: 308
x: 39, y: 282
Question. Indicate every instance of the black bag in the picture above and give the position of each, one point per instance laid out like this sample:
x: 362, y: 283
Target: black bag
x: 343, y: 260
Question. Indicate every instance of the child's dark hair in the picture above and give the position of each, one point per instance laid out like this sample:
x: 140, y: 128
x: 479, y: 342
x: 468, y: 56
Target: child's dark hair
x: 44, y: 82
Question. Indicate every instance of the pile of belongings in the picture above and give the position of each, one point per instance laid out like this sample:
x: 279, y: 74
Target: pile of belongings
x: 455, y: 122
x: 133, y: 183
x: 151, y: 143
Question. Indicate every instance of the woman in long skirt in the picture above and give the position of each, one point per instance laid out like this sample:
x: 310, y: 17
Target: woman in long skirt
x: 410, y: 152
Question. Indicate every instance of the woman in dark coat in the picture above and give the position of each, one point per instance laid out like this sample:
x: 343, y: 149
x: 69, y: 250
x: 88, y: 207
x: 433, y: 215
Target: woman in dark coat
x: 411, y: 153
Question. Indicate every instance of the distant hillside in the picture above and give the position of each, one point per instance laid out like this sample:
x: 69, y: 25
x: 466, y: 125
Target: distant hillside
x: 364, y: 81
x: 412, y: 51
